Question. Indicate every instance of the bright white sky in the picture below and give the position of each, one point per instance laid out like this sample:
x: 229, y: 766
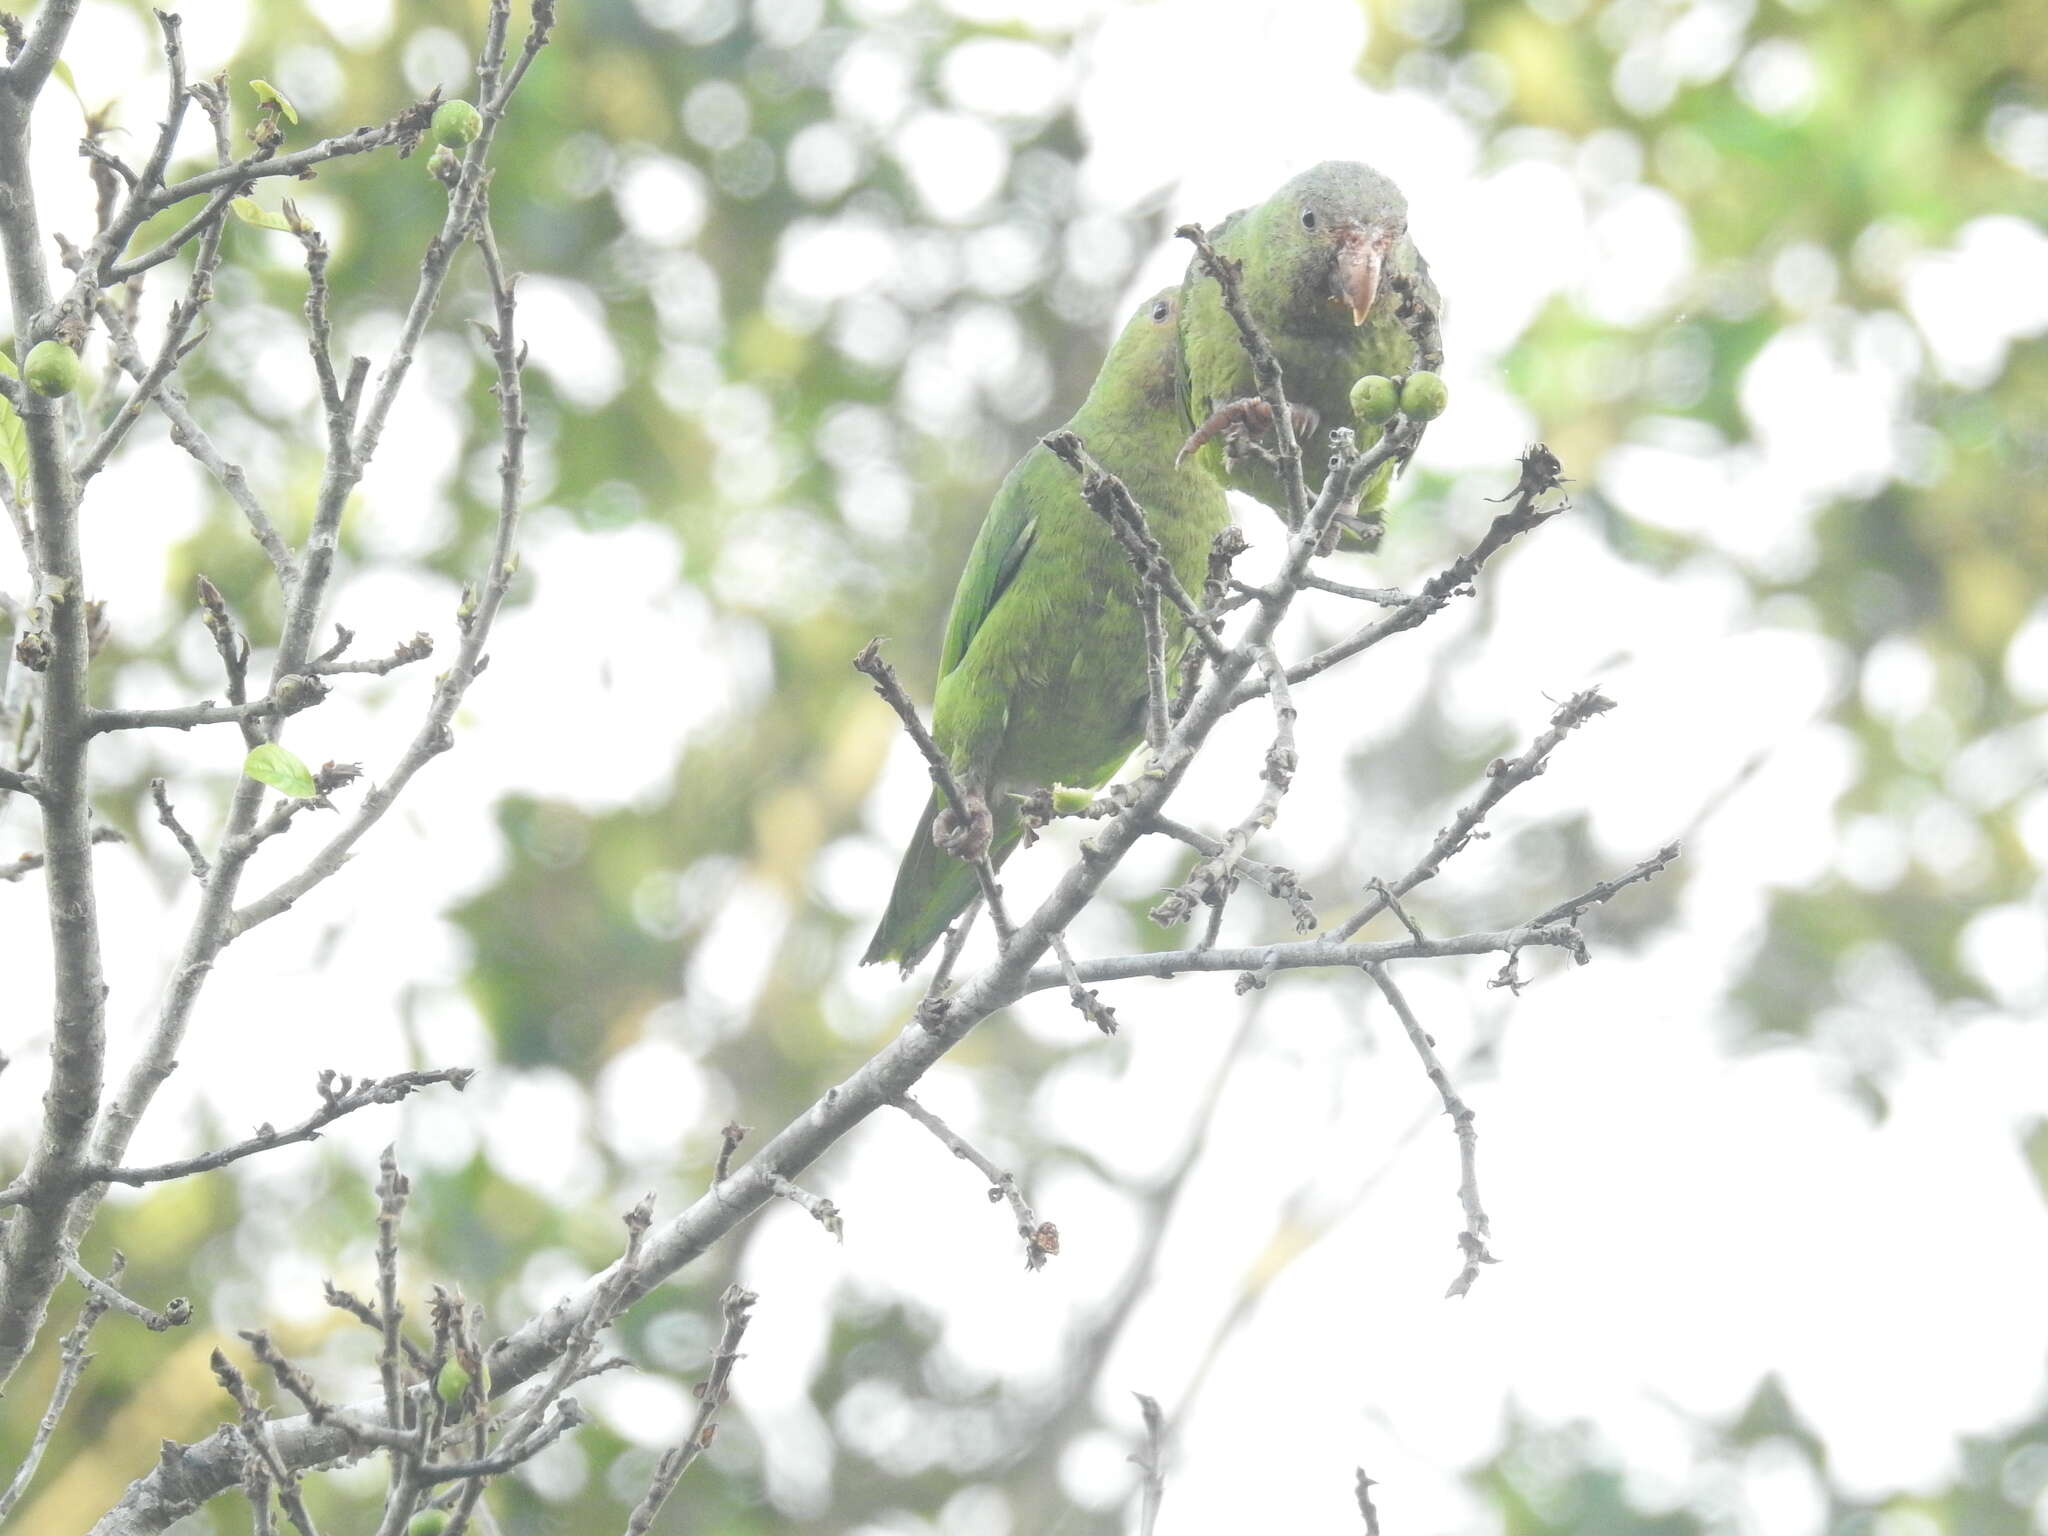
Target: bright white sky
x: 1677, y: 1221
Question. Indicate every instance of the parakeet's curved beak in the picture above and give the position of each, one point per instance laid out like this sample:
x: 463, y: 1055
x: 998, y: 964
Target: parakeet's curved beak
x: 1356, y: 280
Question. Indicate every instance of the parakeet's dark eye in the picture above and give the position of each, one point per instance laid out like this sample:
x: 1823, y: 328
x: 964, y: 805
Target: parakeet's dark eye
x: 1160, y: 311
x: 1308, y: 218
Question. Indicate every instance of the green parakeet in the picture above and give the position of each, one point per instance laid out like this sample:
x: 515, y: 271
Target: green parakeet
x: 1042, y: 676
x: 1328, y: 272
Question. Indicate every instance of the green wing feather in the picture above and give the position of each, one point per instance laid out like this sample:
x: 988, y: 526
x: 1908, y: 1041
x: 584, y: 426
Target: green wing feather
x: 999, y: 550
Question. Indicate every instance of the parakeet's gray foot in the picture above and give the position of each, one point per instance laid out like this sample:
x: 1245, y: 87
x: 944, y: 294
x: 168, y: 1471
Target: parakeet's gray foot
x: 968, y: 836
x: 1239, y: 420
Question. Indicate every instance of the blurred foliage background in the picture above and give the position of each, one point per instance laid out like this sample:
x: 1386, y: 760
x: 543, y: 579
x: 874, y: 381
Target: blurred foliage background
x: 770, y: 346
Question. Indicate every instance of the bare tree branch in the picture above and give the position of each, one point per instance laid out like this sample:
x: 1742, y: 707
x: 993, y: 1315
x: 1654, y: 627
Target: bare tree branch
x: 1041, y: 1238
x: 72, y: 1361
x: 821, y: 1210
x: 1503, y: 775
x: 1571, y: 911
x: 176, y: 1313
x: 1276, y: 880
x: 187, y: 434
x: 29, y: 863
x: 33, y: 1250
x: 30, y: 69
x: 1363, y: 1487
x: 1265, y: 367
x: 293, y: 693
x: 1114, y: 504
x: 1215, y: 877
x: 1150, y: 1459
x: 737, y: 1305
x: 174, y: 350
x: 870, y: 663
x: 168, y: 819
x: 1471, y: 1241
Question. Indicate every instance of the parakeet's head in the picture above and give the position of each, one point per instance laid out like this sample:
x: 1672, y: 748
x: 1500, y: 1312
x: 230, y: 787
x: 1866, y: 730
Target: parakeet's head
x: 1327, y: 235
x: 1145, y: 357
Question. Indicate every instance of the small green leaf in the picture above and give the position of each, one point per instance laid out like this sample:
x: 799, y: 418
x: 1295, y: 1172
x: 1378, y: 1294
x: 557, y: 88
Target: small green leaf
x: 249, y: 211
x: 271, y: 96
x: 271, y: 764
x: 63, y: 72
x: 13, y: 436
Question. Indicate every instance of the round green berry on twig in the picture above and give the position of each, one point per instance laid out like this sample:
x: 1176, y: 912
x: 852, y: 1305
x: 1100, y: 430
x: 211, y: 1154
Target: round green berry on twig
x: 457, y: 123
x: 1374, y: 399
x: 52, y: 369
x: 1423, y: 396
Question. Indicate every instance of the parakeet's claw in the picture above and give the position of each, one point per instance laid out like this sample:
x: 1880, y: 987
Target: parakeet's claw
x: 1241, y: 419
x: 965, y: 837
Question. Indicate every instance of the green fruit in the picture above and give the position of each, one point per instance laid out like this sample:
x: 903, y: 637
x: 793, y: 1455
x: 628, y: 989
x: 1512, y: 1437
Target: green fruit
x: 1423, y: 396
x: 457, y: 123
x: 452, y: 1383
x: 1375, y: 399
x: 428, y: 1522
x: 52, y: 369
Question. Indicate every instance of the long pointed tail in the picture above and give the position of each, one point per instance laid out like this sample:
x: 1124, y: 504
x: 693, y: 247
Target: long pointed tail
x: 933, y: 887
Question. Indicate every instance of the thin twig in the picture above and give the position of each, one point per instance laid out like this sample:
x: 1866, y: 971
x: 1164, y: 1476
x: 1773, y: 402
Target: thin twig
x: 1112, y: 501
x: 254, y: 1431
x: 1041, y: 1238
x: 1385, y: 597
x: 340, y: 1095
x: 1276, y: 880
x: 72, y: 1360
x: 1571, y: 911
x: 730, y: 1139
x: 393, y: 1191
x: 1503, y: 776
x: 1539, y: 475
x: 869, y: 662
x: 177, y: 1311
x: 1300, y: 954
x: 931, y: 1009
x: 1363, y: 1488
x: 173, y: 351
x: 168, y: 819
x: 1150, y: 1460
x: 1214, y: 878
x: 294, y: 692
x: 1391, y: 897
x: 737, y: 1305
x: 1228, y: 276
x: 1155, y: 672
x: 1471, y: 1241
x: 1224, y: 549
x: 29, y: 863
x: 187, y: 434
x: 822, y: 1211
x: 566, y: 1415
x: 1087, y: 1002
x: 418, y: 648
